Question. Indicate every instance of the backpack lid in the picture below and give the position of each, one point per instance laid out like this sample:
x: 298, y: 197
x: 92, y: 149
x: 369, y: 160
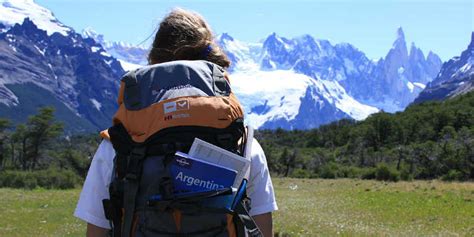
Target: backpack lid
x: 177, y: 93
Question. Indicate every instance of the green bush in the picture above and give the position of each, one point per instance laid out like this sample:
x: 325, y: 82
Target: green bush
x: 5, y: 178
x: 55, y: 178
x: 368, y: 173
x: 329, y: 171
x: 453, y: 175
x: 29, y: 181
x: 350, y: 172
x: 406, y: 175
x: 17, y: 180
x: 301, y: 173
x: 50, y: 179
x: 383, y: 172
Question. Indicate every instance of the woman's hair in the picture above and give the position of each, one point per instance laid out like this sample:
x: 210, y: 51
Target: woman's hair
x: 185, y: 35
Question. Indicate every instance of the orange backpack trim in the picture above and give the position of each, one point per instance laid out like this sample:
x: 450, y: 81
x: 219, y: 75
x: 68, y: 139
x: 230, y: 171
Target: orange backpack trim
x: 206, y: 111
x: 177, y: 219
x: 231, y: 229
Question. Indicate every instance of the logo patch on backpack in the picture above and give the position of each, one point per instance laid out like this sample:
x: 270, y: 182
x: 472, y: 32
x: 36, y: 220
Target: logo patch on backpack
x: 175, y: 106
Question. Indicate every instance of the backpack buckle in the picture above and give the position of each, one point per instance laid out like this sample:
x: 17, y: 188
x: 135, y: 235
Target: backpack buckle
x: 138, y: 152
x: 225, y: 140
x: 135, y: 162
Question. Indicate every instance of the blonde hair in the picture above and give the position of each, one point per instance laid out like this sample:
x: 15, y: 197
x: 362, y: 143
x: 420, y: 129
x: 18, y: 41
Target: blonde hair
x: 185, y: 35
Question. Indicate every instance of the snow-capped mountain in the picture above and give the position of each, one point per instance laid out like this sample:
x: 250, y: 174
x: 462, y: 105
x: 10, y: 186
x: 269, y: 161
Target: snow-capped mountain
x: 290, y: 100
x: 15, y: 11
x: 316, y: 67
x: 404, y: 74
x: 297, y: 83
x: 390, y: 84
x: 297, y: 101
x: 455, y: 78
x: 130, y: 56
x: 278, y: 95
x: 73, y: 74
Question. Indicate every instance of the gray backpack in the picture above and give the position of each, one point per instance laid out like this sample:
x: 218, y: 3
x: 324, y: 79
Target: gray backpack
x: 163, y: 108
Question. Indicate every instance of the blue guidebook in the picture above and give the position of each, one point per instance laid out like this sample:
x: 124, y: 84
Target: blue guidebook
x: 193, y: 175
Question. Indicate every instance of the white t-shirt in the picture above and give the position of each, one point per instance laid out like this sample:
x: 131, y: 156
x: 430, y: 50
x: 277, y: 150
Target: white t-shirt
x: 89, y: 207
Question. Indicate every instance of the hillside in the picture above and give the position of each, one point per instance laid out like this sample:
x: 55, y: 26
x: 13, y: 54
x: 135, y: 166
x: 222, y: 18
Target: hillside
x: 428, y: 140
x: 72, y: 74
x: 455, y: 78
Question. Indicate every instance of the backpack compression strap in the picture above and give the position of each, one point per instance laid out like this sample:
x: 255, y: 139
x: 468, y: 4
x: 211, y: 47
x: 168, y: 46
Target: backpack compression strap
x: 242, y: 207
x: 246, y: 220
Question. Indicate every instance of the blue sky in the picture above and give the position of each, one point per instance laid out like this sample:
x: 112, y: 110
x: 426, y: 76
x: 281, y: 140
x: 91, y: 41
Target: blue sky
x: 443, y: 26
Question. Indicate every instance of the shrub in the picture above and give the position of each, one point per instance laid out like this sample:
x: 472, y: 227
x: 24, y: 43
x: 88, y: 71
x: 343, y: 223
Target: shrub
x: 453, y: 175
x: 406, y: 175
x: 29, y: 181
x: 329, y: 171
x: 55, y: 178
x: 51, y: 178
x: 368, y: 173
x: 383, y: 172
x: 350, y: 172
x: 300, y: 173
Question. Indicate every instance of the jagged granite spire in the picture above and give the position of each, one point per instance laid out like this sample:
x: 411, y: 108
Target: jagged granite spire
x: 416, y: 53
x: 400, y: 41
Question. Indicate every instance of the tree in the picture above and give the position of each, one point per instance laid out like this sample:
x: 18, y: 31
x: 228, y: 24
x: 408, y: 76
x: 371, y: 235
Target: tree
x: 466, y: 141
x: 41, y: 129
x: 4, y: 125
x: 20, y: 135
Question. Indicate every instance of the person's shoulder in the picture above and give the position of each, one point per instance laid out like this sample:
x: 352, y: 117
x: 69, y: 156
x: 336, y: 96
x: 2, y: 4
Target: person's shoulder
x: 105, y: 152
x: 257, y: 155
x: 257, y: 149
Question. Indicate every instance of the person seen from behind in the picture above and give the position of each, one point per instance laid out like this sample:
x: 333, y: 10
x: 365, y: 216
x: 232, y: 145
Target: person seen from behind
x: 182, y: 35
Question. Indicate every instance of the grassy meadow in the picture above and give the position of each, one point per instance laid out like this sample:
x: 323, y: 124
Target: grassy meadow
x: 307, y: 208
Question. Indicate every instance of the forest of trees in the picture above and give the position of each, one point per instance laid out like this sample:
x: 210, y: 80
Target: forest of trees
x: 38, y: 153
x: 427, y: 141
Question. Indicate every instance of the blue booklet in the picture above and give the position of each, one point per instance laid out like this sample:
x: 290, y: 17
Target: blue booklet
x: 193, y: 175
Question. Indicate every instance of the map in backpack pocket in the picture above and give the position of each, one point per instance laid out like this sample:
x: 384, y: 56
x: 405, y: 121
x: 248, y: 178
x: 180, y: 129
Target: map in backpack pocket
x: 193, y: 175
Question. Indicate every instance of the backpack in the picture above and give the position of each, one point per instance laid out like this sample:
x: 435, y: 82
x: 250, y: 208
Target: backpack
x: 162, y: 109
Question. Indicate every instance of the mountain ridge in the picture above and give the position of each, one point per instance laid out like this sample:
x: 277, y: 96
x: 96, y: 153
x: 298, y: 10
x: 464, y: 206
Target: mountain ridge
x: 456, y: 77
x: 66, y: 70
x: 303, y: 82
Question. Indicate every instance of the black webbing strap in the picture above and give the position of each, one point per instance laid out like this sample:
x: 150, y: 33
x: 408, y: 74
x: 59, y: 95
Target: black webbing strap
x: 221, y: 85
x: 131, y: 184
x: 246, y: 220
x: 111, y: 213
x: 132, y: 95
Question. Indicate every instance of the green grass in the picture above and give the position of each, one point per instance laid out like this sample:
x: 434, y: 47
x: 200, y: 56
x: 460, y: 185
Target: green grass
x: 307, y: 208
x: 373, y: 208
x: 39, y: 213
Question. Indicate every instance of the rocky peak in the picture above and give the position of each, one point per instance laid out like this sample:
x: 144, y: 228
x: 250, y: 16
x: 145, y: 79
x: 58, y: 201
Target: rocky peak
x: 471, y: 45
x: 28, y: 28
x: 434, y: 60
x: 272, y: 41
x: 400, y: 42
x: 90, y: 33
x: 416, y: 54
x: 397, y: 57
x: 225, y: 37
x: 468, y: 54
